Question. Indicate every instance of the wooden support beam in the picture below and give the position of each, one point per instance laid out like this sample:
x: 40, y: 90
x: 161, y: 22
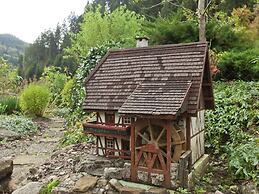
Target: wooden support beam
x: 168, y: 155
x: 133, y: 170
x: 188, y: 133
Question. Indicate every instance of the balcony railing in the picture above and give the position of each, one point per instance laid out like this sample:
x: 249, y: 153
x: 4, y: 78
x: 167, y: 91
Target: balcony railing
x: 97, y: 128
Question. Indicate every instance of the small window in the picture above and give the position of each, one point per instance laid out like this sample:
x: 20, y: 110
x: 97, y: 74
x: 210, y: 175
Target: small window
x: 127, y: 120
x: 110, y: 143
x: 109, y: 118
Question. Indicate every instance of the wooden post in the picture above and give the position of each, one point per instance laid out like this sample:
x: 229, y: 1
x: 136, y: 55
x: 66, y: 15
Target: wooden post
x: 133, y: 169
x: 97, y: 145
x: 168, y: 155
x: 188, y: 132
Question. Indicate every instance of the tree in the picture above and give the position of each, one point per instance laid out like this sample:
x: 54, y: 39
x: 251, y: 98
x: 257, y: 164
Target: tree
x: 48, y: 50
x: 177, y: 28
x: 121, y: 26
x: 202, y: 21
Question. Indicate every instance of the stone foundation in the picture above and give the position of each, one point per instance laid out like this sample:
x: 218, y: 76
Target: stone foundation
x: 156, y: 179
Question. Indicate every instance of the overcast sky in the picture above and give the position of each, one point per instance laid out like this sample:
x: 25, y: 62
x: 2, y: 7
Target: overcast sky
x: 26, y: 19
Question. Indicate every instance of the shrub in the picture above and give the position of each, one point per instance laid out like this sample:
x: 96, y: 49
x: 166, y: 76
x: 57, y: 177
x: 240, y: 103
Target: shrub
x: 34, y: 99
x: 55, y: 81
x: 47, y: 189
x: 232, y: 126
x: 11, y: 104
x: 66, y: 93
x: 2, y: 109
x: 75, y: 136
x: 242, y: 65
x: 243, y: 160
x: 235, y: 115
x: 60, y: 112
x: 17, y: 124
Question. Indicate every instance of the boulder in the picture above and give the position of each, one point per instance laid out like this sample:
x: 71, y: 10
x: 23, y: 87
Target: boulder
x: 114, y: 173
x: 157, y: 191
x: 131, y: 190
x: 85, y: 183
x: 9, y: 135
x: 30, y: 188
x: 6, y: 168
x: 125, y: 189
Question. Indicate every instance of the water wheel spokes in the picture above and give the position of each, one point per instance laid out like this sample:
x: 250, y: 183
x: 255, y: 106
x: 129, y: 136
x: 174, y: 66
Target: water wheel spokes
x: 150, y: 131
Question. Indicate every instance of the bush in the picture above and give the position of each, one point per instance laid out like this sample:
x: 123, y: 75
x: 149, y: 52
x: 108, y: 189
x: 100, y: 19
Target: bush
x: 242, y: 65
x: 75, y: 136
x: 235, y: 115
x: 232, y: 126
x: 17, y: 124
x: 66, y: 93
x: 47, y: 189
x: 243, y: 160
x: 55, y: 81
x: 2, y: 109
x: 34, y: 99
x: 11, y: 103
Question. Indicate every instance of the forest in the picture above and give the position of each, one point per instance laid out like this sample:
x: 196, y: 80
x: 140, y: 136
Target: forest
x: 49, y: 78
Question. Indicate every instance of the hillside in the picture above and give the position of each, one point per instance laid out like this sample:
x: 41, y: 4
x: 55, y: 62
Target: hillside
x: 11, y: 48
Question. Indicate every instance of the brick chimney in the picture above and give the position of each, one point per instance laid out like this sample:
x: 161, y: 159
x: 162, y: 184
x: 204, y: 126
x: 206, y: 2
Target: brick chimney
x: 142, y: 41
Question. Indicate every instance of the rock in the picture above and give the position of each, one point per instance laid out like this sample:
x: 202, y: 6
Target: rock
x: 62, y: 173
x: 157, y: 179
x: 130, y: 190
x: 248, y: 188
x: 6, y: 168
x: 52, y: 178
x: 234, y: 188
x: 124, y: 189
x: 218, y: 192
x: 9, y: 135
x: 127, y: 167
x: 101, y: 191
x: 7, y: 185
x: 157, y: 191
x: 114, y: 173
x: 102, y: 182
x: 31, y: 188
x: 25, y: 159
x: 85, y: 183
x: 114, y: 182
x: 33, y: 171
x: 107, y: 187
x: 61, y: 190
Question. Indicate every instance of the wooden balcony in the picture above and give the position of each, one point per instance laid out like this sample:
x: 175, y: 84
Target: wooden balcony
x: 100, y: 129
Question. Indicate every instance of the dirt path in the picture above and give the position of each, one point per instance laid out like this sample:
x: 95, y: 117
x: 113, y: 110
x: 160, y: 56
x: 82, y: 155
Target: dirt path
x: 31, y: 152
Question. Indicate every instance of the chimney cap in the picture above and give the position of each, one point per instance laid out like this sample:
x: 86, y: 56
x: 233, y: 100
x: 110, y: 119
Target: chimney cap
x: 141, y: 38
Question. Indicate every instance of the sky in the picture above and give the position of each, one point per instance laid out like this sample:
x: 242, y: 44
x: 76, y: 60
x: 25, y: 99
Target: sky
x: 26, y: 19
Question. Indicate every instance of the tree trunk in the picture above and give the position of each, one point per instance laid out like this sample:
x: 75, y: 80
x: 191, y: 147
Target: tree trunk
x: 202, y: 21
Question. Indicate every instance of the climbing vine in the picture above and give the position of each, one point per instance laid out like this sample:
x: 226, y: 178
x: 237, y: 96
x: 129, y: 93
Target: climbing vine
x: 78, y: 92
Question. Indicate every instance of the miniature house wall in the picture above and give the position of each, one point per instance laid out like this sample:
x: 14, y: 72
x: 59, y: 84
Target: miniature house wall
x: 196, y: 135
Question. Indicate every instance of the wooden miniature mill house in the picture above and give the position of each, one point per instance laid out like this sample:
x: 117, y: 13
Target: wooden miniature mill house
x: 150, y: 104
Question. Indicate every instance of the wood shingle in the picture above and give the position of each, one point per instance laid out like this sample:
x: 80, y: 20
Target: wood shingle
x: 149, y: 80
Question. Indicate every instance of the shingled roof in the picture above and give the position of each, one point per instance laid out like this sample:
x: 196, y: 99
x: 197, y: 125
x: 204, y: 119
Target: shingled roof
x: 156, y: 98
x: 151, y: 80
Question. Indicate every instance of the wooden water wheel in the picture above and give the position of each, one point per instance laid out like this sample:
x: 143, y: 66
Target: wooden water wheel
x: 154, y: 150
